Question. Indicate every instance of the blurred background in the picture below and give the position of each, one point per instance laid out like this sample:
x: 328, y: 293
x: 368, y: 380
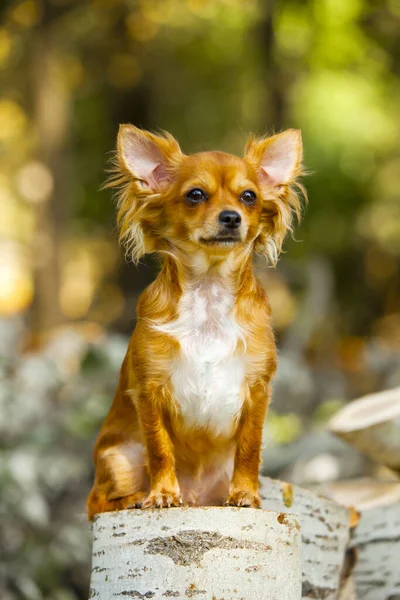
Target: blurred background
x: 210, y: 72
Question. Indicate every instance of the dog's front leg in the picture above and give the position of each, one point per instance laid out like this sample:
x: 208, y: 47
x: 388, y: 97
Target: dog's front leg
x: 243, y: 490
x: 164, y: 487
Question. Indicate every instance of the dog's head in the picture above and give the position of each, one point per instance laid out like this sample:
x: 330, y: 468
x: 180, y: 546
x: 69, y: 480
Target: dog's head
x: 210, y: 200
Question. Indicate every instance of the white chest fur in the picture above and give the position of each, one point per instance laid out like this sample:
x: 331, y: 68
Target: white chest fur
x: 208, y: 376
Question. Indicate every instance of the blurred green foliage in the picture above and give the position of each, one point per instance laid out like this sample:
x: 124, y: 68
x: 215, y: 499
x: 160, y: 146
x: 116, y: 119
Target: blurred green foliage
x: 209, y: 71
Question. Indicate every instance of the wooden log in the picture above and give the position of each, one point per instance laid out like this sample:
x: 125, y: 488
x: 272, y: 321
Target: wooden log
x: 207, y: 553
x: 324, y: 531
x: 372, y: 425
x: 375, y: 538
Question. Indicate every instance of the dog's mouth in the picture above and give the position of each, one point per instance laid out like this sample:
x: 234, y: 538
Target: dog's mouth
x: 221, y: 240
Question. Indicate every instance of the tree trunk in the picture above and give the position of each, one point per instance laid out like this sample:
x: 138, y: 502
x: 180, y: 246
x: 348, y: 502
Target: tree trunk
x: 51, y: 113
x: 208, y: 553
x: 276, y: 82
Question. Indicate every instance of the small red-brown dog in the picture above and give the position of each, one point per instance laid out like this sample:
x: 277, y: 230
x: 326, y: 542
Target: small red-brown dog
x: 187, y: 418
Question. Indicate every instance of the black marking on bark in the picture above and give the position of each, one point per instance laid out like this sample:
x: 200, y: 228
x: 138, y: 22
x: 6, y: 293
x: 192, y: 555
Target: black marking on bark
x: 187, y: 547
x: 136, y: 594
x: 100, y: 527
x: 381, y: 540
x: 325, y: 522
x: 120, y: 534
x: 192, y: 591
x: 99, y: 569
x: 171, y: 594
x: 309, y: 590
x: 132, y: 573
x: 330, y: 543
x: 93, y: 593
x: 373, y: 583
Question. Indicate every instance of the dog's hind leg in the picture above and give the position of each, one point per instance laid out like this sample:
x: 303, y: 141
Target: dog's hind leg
x: 121, y: 479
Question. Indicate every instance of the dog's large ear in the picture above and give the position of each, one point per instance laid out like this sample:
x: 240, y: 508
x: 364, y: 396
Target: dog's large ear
x: 278, y: 158
x: 149, y: 158
x: 277, y: 161
x: 144, y: 168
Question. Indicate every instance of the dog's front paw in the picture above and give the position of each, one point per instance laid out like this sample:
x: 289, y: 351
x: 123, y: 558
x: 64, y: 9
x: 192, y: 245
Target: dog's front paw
x: 162, y: 499
x: 243, y: 498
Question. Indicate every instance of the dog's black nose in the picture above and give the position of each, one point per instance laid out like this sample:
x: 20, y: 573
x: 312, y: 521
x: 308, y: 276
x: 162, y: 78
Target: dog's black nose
x: 230, y: 219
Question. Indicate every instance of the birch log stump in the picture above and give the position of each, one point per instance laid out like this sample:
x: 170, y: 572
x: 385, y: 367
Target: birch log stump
x: 324, y: 531
x: 216, y: 553
x: 375, y: 538
x: 372, y: 425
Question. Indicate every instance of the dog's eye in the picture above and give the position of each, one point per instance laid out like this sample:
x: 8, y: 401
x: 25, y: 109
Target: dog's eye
x: 196, y: 195
x: 248, y: 197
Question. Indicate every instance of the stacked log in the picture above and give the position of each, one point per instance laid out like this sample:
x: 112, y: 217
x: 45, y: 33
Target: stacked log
x: 375, y: 537
x: 324, y: 532
x: 372, y: 426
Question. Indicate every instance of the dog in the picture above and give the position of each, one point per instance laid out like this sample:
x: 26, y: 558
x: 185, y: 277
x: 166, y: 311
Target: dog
x: 186, y: 422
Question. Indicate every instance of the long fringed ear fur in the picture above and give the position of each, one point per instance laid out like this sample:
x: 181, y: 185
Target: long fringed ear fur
x: 143, y: 170
x: 277, y: 161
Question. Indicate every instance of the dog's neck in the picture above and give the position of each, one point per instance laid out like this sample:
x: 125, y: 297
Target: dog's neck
x: 233, y: 269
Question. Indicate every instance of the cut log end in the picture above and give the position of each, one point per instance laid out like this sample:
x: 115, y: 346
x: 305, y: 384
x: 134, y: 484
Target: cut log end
x: 372, y: 426
x: 362, y: 494
x: 367, y: 411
